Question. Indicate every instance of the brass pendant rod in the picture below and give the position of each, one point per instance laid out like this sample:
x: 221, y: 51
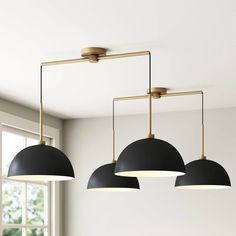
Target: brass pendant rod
x: 113, y: 131
x: 114, y: 56
x: 41, y: 141
x: 150, y: 135
x: 203, y: 135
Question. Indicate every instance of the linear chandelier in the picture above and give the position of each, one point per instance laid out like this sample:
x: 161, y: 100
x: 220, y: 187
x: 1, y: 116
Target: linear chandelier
x: 148, y: 157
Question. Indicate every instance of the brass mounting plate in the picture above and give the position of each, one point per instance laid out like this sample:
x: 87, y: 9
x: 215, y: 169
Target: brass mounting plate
x: 92, y: 53
x: 157, y: 91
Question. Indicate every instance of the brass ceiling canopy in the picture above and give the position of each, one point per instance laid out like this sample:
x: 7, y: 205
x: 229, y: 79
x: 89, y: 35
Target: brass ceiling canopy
x: 93, y: 53
x: 156, y: 92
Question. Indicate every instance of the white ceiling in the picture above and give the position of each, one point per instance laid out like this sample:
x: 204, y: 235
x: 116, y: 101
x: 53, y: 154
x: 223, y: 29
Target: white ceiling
x: 193, y: 45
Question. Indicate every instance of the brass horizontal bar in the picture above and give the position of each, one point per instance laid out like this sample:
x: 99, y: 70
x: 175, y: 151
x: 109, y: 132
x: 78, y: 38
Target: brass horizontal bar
x: 181, y: 93
x: 114, y: 56
x: 61, y: 62
x: 162, y: 95
x: 130, y: 98
x: 124, y: 55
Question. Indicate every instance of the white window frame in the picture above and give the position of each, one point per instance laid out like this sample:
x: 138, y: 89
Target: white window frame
x: 13, y: 121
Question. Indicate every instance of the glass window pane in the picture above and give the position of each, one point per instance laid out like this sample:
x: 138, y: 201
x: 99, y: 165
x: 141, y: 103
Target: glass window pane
x: 35, y: 232
x: 11, y: 145
x: 35, y: 204
x: 12, y: 202
x: 12, y: 232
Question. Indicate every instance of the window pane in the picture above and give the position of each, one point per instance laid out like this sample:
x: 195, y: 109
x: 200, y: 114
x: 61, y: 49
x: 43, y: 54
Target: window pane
x: 12, y: 202
x: 12, y: 232
x: 35, y: 203
x: 35, y: 232
x: 11, y: 145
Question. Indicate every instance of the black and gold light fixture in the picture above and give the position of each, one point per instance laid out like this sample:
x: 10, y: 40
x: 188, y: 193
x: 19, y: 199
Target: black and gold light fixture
x: 147, y: 157
x: 104, y: 179
x: 41, y: 162
x: 203, y: 173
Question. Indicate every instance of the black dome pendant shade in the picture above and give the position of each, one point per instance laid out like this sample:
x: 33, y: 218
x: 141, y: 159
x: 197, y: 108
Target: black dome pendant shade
x: 103, y: 179
x: 41, y: 162
x: 150, y: 157
x: 203, y: 174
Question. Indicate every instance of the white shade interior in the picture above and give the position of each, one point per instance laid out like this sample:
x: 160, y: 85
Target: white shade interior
x: 150, y: 173
x: 113, y: 189
x: 203, y: 187
x: 40, y: 177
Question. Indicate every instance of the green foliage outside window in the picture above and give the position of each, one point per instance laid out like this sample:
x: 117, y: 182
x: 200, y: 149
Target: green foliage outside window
x: 12, y: 208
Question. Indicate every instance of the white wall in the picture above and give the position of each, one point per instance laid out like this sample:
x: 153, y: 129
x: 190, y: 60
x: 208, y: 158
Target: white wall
x: 158, y: 209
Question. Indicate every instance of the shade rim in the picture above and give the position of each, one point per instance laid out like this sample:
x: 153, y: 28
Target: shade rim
x: 40, y: 177
x: 113, y: 189
x: 203, y: 187
x: 150, y: 173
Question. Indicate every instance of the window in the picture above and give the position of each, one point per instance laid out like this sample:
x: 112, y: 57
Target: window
x: 25, y: 206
